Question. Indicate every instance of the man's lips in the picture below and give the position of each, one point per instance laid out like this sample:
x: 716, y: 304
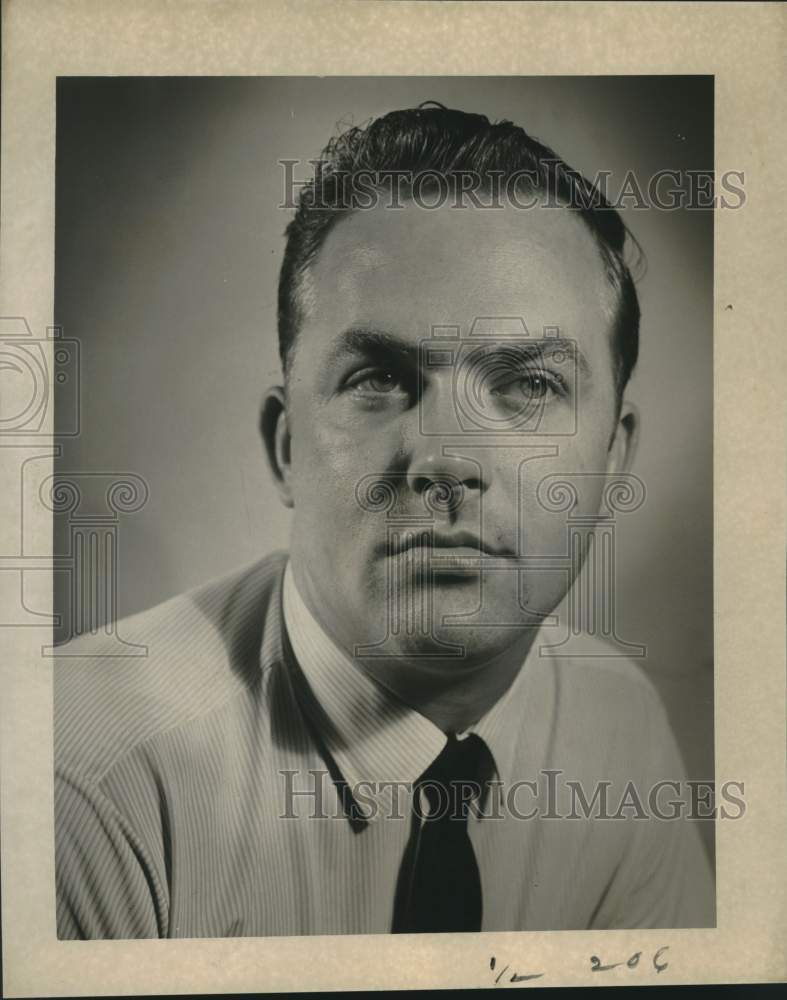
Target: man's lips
x: 443, y: 547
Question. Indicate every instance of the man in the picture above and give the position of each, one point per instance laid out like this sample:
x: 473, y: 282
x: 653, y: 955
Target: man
x: 371, y: 734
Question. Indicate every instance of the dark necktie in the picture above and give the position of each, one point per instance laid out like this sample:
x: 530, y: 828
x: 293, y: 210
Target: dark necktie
x: 439, y: 886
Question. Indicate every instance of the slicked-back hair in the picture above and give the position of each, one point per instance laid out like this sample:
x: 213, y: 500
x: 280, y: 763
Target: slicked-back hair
x: 433, y: 146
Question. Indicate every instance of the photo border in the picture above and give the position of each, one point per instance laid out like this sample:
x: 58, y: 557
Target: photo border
x: 42, y: 40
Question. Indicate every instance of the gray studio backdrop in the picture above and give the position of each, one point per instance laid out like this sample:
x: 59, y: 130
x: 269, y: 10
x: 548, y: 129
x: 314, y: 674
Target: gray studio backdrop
x: 168, y: 246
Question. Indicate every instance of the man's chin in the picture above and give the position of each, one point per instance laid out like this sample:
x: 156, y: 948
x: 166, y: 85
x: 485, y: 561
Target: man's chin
x: 452, y: 617
x: 456, y: 639
x: 451, y: 650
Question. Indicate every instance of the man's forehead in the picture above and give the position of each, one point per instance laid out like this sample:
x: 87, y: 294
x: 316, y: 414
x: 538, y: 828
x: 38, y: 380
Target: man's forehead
x: 462, y: 262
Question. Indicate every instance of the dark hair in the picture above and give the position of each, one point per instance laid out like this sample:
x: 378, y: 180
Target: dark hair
x: 446, y: 144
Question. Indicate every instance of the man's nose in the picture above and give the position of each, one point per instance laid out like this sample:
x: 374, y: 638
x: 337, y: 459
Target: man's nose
x: 439, y: 469
x: 443, y: 479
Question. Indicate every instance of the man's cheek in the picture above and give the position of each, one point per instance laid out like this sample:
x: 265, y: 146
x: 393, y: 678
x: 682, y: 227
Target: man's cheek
x: 541, y: 531
x: 547, y: 503
x: 318, y: 455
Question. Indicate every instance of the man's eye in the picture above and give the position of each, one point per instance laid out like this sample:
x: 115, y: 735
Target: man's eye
x: 534, y: 385
x: 379, y: 380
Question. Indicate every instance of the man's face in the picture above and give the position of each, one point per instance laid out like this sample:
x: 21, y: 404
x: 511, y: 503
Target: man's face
x: 377, y: 422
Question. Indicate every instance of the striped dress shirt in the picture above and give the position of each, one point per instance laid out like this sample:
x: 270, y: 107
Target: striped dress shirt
x: 246, y: 777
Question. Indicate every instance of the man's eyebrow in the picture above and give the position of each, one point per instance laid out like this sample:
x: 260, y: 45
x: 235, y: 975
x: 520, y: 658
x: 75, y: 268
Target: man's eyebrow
x: 371, y: 342
x: 529, y: 350
x: 377, y: 343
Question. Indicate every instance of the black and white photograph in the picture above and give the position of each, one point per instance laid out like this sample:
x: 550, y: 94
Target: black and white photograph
x: 461, y: 676
x: 372, y: 456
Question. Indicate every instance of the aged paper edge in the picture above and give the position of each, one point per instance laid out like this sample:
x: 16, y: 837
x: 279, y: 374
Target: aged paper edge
x: 741, y: 46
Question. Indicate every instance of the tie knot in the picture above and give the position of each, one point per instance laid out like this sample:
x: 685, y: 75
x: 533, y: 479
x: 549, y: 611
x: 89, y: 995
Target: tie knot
x: 453, y: 779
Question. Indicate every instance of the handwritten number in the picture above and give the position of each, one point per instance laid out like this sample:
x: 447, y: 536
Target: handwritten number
x: 516, y: 977
x: 632, y: 963
x: 660, y: 966
x: 596, y: 966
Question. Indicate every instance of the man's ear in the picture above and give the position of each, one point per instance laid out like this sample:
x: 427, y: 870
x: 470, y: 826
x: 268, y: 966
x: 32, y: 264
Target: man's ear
x: 624, y: 441
x: 275, y: 432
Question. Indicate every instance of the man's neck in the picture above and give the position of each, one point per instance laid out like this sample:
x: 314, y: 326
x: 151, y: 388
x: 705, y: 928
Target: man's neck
x: 452, y: 692
x: 452, y: 695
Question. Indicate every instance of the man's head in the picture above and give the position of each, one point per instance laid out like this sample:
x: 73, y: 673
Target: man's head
x: 463, y: 158
x: 426, y: 222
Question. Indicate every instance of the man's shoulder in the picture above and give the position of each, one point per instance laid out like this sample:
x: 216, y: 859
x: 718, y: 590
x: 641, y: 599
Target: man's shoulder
x: 600, y: 710
x: 605, y: 680
x: 181, y: 660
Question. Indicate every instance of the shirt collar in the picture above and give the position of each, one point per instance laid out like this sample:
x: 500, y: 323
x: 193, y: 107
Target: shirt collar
x: 373, y: 736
